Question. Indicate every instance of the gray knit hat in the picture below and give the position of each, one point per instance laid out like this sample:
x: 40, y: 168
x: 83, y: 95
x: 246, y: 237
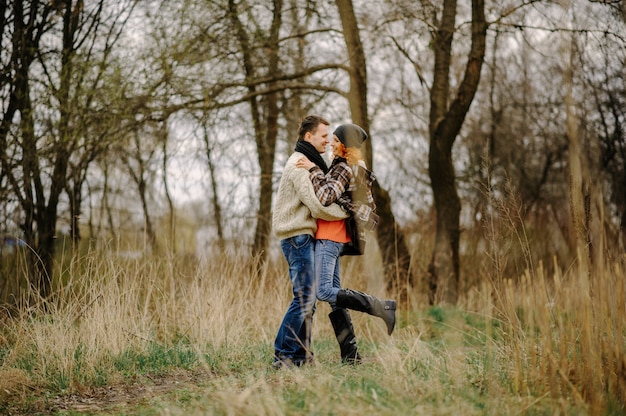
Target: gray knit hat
x: 350, y: 135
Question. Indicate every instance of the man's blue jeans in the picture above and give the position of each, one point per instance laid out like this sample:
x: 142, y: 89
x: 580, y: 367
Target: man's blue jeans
x: 327, y: 270
x: 293, y: 341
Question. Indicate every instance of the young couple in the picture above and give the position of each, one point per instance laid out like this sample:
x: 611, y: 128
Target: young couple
x: 309, y: 221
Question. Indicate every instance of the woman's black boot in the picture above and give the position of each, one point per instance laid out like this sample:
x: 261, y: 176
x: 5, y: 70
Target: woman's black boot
x: 362, y: 302
x: 344, y: 331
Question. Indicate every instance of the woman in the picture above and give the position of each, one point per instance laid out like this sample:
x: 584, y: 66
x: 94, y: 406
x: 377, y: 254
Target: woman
x: 339, y: 185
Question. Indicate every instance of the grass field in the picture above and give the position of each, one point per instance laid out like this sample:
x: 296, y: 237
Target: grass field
x: 167, y: 336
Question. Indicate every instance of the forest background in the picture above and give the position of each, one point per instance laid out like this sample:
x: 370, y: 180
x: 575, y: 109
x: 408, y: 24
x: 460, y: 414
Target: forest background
x: 135, y: 130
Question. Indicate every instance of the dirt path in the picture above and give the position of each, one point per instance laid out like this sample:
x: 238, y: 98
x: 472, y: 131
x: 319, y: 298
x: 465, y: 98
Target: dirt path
x: 113, y: 398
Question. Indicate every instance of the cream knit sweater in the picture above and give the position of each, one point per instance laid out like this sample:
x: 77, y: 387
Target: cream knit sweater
x: 296, y: 208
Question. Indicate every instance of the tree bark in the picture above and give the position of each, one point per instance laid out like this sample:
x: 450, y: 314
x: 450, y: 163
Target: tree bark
x: 444, y: 125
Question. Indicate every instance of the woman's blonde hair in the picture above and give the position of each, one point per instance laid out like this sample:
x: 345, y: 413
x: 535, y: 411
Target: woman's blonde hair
x: 352, y: 154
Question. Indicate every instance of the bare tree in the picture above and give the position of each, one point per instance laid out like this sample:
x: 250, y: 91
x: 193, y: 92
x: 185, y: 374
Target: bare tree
x: 217, y: 207
x: 602, y: 77
x: 51, y: 136
x: 30, y: 22
x: 610, y: 126
x: 395, y: 254
x: 163, y: 133
x: 264, y: 110
x: 139, y: 159
x: 446, y: 120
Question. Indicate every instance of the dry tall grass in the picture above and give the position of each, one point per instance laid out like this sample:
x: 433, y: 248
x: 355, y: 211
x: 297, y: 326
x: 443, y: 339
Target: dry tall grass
x: 566, y: 336
x: 538, y: 344
x: 111, y: 305
x: 562, y: 330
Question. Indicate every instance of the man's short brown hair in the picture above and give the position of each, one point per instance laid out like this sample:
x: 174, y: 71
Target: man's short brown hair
x: 309, y: 124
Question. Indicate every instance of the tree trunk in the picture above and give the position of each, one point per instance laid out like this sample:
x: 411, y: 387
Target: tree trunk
x: 168, y: 196
x: 32, y: 195
x: 140, y: 177
x: 394, y: 251
x: 106, y: 206
x: 444, y: 126
x: 149, y: 229
x: 266, y: 131
x: 76, y: 200
x: 293, y: 108
x: 46, y: 212
x: 215, y: 201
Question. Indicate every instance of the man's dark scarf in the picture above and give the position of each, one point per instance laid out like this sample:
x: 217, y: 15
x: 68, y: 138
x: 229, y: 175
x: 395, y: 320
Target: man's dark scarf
x: 310, y: 152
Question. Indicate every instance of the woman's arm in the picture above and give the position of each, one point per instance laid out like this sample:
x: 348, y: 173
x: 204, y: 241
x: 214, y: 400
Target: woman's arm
x: 306, y: 193
x: 329, y: 187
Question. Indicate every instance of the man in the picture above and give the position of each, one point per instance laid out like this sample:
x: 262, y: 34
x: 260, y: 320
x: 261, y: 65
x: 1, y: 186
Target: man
x: 294, y: 221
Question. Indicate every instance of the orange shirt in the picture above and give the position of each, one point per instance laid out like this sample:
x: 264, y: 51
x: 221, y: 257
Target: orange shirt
x: 332, y: 230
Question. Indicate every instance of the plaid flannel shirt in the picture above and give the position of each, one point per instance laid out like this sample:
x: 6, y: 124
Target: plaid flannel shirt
x: 340, y: 185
